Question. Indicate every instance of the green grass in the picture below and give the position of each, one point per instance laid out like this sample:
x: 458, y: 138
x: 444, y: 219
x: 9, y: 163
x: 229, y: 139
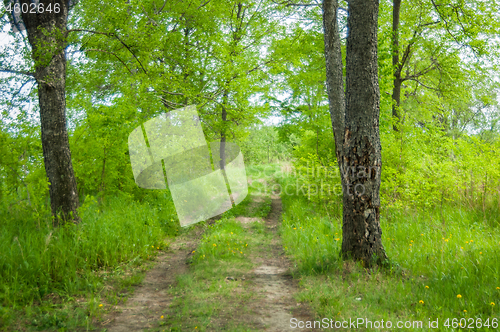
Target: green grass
x: 44, y: 269
x: 446, y: 259
x: 56, y: 278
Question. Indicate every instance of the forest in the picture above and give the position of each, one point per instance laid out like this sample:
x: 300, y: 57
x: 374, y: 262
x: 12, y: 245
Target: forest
x: 370, y: 134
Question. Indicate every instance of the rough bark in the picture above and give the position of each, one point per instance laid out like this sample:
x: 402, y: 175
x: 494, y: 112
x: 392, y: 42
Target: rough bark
x: 47, y: 37
x: 396, y: 89
x: 362, y: 161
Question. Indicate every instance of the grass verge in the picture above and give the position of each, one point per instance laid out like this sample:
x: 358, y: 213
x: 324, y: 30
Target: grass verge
x: 54, y: 278
x: 442, y: 269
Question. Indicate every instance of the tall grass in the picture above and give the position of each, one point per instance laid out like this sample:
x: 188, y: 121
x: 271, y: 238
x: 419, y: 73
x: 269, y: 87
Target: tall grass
x: 37, y: 260
x: 444, y: 263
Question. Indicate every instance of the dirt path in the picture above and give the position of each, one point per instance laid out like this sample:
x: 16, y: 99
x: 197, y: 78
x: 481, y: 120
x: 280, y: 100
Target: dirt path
x: 141, y: 310
x: 269, y: 307
x: 272, y: 279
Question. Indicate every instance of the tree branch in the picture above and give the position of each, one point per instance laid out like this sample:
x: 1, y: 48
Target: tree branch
x: 172, y: 93
x: 422, y: 84
x: 111, y: 34
x: 292, y: 4
x: 432, y: 66
x: 108, y: 52
x: 19, y: 72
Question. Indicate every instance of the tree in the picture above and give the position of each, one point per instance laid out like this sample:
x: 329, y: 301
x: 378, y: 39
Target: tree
x: 356, y: 131
x: 298, y: 92
x: 206, y: 53
x: 334, y: 79
x: 396, y: 90
x: 439, y: 35
x: 47, y: 37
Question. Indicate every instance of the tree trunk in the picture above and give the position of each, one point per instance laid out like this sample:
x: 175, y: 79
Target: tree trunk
x: 223, y: 138
x: 334, y: 81
x: 362, y: 161
x: 396, y: 89
x: 47, y: 37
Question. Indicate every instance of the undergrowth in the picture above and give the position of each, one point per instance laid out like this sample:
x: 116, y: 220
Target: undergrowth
x: 40, y: 263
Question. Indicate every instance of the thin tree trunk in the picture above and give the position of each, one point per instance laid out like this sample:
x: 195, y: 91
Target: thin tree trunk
x: 223, y: 138
x: 268, y: 161
x: 484, y: 195
x: 47, y: 37
x: 472, y: 189
x: 101, y: 187
x: 362, y: 234
x: 222, y: 153
x: 396, y: 90
x: 334, y: 80
x: 317, y: 143
x: 498, y: 190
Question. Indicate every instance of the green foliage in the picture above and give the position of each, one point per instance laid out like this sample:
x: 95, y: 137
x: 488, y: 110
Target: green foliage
x: 99, y: 148
x: 298, y: 95
x: 195, y: 52
x: 23, y: 183
x: 262, y: 145
x: 428, y: 168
